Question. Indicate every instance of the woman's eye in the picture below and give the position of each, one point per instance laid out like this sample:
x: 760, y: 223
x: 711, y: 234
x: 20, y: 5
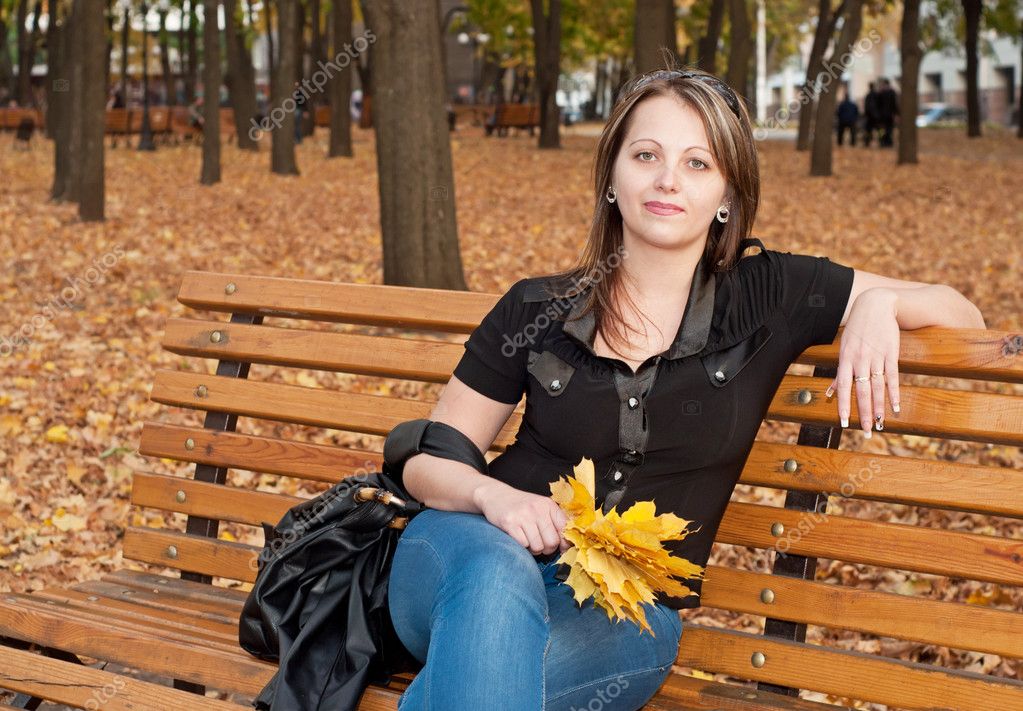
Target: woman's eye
x: 697, y: 160
x: 642, y: 153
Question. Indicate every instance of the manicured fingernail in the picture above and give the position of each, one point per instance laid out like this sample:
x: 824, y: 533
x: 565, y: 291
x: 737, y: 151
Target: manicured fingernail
x: 895, y: 407
x: 868, y: 434
x: 845, y: 421
x: 829, y: 392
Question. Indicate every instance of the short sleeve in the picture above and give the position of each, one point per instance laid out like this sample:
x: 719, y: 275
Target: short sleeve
x: 494, y: 362
x: 815, y: 294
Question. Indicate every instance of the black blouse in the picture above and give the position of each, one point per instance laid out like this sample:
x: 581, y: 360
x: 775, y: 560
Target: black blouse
x: 676, y: 431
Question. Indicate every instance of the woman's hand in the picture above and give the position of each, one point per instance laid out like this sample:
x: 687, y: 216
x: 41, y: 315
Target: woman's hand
x: 535, y: 521
x: 869, y: 359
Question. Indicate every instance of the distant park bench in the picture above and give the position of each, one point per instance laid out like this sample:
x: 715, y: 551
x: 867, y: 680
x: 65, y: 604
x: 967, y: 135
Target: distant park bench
x: 184, y: 625
x: 516, y: 116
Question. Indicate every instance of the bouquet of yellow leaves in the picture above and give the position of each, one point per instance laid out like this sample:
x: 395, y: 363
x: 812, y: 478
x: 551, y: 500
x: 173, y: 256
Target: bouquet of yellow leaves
x: 619, y: 559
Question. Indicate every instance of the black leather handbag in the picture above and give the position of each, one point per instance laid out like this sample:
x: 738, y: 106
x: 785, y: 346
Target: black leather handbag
x: 319, y: 603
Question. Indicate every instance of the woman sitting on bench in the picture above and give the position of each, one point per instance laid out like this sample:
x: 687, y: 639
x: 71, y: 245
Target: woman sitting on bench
x: 667, y: 413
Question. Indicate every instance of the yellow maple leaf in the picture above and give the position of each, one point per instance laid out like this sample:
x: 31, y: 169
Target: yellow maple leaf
x: 619, y: 559
x: 57, y: 434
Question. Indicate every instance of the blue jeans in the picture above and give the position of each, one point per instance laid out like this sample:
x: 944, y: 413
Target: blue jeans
x: 497, y: 631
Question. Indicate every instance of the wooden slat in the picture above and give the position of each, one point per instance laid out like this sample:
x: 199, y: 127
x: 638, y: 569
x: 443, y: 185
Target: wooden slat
x: 372, y: 304
x: 32, y: 620
x: 681, y: 691
x: 972, y: 353
x: 223, y: 611
x: 958, y: 625
x: 890, y: 545
x: 84, y: 687
x: 208, y: 556
x: 196, y: 593
x: 355, y: 412
x: 935, y: 412
x: 906, y: 685
x: 972, y: 488
x: 316, y: 462
x: 23, y: 618
x: 120, y: 610
x: 403, y: 358
x: 215, y: 501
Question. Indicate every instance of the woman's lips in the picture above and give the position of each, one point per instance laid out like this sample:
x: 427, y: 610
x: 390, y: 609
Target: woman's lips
x: 662, y: 209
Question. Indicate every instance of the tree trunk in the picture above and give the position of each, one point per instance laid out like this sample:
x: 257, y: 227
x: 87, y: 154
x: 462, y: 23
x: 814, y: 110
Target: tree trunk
x: 24, y: 87
x: 241, y: 80
x: 820, y: 156
x: 1019, y: 112
x: 341, y: 84
x: 282, y: 150
x: 125, y: 27
x: 109, y: 34
x: 211, y: 94
x: 815, y: 65
x: 73, y: 185
x: 654, y: 35
x: 91, y: 27
x: 416, y: 184
x: 271, y: 59
x: 182, y: 58
x: 52, y: 38
x: 600, y: 87
x: 547, y: 49
x: 7, y: 78
x: 741, y: 46
x: 972, y: 10
x: 193, y: 53
x: 60, y: 106
x: 316, y: 47
x: 169, y: 84
x: 708, y: 47
x: 909, y: 97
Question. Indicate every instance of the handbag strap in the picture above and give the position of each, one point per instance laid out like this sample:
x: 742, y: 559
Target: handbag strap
x: 430, y: 437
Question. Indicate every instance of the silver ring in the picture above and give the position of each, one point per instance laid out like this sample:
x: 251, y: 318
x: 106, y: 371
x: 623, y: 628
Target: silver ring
x: 878, y: 374
x: 861, y: 378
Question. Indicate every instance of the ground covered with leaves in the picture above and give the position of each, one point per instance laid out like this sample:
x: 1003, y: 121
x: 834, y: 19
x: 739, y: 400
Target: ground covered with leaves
x: 73, y: 400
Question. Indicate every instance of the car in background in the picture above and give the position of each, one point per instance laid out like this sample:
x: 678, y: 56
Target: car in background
x: 940, y: 115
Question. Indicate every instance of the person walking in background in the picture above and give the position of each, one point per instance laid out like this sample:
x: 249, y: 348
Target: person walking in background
x: 847, y: 113
x: 887, y: 112
x: 869, y: 114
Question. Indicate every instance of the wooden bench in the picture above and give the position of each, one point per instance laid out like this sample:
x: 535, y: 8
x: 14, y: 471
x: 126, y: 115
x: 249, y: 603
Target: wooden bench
x: 516, y: 116
x: 13, y: 117
x: 360, y: 358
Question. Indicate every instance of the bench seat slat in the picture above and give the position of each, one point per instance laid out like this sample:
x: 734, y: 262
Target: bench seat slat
x: 163, y: 600
x: 48, y: 625
x: 84, y: 687
x: 844, y: 673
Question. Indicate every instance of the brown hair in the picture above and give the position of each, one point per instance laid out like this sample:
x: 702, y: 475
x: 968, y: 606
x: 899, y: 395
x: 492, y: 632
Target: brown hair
x: 727, y: 123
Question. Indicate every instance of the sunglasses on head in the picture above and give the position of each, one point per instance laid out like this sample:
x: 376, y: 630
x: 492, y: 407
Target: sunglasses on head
x: 722, y: 89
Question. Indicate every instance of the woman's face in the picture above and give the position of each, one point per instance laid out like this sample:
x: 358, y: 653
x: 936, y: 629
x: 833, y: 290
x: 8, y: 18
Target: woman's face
x: 665, y: 158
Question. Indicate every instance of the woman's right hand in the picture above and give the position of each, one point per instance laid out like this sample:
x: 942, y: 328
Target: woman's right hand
x: 535, y: 521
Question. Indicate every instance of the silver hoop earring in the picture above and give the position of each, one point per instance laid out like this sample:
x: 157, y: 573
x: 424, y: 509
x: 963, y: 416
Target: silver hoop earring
x: 723, y: 214
x: 611, y: 195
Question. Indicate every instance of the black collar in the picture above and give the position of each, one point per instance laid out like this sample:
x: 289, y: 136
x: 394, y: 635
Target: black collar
x: 693, y: 331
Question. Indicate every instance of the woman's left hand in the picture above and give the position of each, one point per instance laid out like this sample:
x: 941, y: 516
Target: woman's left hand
x: 869, y: 359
